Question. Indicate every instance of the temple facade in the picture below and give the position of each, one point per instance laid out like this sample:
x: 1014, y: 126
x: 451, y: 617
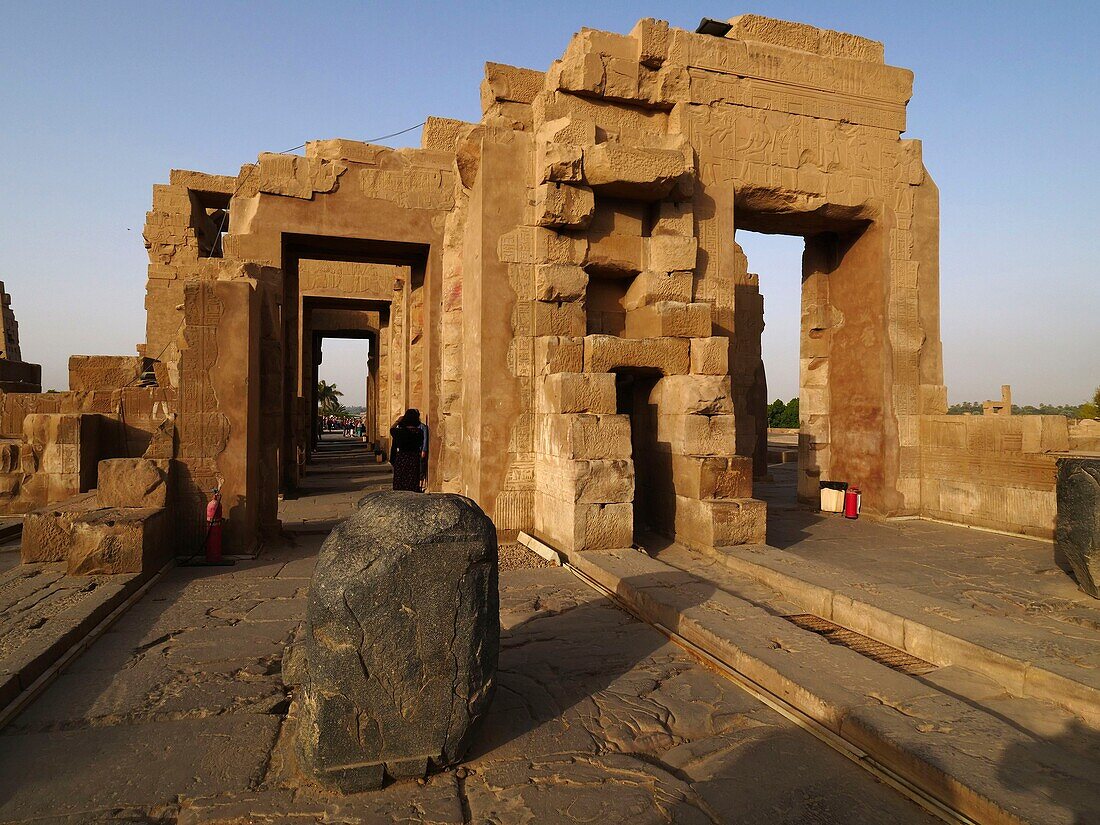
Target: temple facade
x: 560, y: 291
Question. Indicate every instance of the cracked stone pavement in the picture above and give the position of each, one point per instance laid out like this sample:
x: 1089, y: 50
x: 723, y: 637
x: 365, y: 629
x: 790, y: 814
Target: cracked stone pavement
x: 178, y: 715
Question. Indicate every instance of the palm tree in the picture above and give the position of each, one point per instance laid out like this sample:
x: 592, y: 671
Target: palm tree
x: 328, y: 398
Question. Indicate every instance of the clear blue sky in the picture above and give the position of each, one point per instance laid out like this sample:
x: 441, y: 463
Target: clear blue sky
x: 101, y: 99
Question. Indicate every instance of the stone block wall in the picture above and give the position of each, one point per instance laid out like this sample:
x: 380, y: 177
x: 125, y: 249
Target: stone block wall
x: 992, y: 471
x: 558, y: 288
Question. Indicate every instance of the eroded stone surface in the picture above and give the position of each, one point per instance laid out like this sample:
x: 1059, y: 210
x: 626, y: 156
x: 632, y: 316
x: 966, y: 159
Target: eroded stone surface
x: 1078, y: 527
x: 400, y: 645
x: 596, y: 714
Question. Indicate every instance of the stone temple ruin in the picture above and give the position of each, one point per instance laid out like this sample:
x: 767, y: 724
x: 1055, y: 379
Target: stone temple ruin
x: 560, y: 291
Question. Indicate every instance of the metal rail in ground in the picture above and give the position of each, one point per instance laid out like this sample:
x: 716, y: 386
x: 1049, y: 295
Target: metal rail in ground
x: 842, y: 746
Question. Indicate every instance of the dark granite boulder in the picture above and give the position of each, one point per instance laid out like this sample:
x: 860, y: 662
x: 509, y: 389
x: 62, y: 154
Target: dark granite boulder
x: 401, y: 640
x: 1077, y: 528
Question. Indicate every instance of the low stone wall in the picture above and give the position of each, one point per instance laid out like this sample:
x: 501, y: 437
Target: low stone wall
x: 988, y: 471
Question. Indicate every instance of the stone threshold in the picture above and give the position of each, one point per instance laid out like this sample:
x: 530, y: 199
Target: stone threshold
x: 944, y: 633
x: 47, y: 618
x: 970, y: 760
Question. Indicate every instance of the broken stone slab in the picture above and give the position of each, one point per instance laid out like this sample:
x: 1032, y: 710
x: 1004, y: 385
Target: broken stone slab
x: 401, y: 640
x: 113, y: 540
x: 1077, y: 525
x: 47, y: 533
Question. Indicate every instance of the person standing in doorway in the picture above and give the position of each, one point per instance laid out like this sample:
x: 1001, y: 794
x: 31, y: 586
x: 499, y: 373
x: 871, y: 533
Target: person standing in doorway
x: 407, y: 444
x: 426, y: 436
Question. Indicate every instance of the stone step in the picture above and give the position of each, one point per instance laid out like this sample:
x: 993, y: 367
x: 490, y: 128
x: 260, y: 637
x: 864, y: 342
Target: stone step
x: 974, y: 761
x: 1026, y: 660
x: 45, y: 614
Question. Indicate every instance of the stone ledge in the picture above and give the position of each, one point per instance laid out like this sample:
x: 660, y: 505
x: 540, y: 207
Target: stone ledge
x: 891, y: 716
x: 971, y: 642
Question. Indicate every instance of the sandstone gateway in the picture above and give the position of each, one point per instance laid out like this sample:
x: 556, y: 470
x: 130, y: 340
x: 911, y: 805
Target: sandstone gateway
x: 560, y: 290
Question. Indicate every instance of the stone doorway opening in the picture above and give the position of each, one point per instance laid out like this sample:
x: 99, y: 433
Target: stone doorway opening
x: 348, y: 362
x: 842, y: 344
x: 352, y: 288
x: 776, y: 261
x: 654, y: 496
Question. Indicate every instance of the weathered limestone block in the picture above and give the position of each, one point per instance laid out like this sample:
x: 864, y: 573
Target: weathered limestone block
x: 805, y: 38
x: 669, y: 319
x: 584, y: 436
x: 504, y: 115
x: 162, y: 443
x: 47, y: 533
x: 401, y: 640
x: 623, y: 171
x: 653, y: 37
x: 108, y: 541
x: 593, y: 481
x: 1084, y: 435
x: 933, y: 399
x: 688, y: 394
x: 132, y: 482
x: 712, y: 477
x: 1077, y: 526
x: 568, y: 130
x: 709, y: 524
x: 444, y: 134
x: 297, y: 177
x: 560, y: 282
x: 562, y: 205
x: 577, y: 392
x: 573, y: 527
x: 599, y: 63
x: 603, y: 353
x: 675, y: 218
x: 616, y: 253
x: 536, y: 245
x: 559, y: 354
x: 696, y: 434
x: 560, y: 319
x: 105, y: 372
x: 666, y: 253
x: 559, y: 153
x: 560, y: 163
x: 509, y: 84
x: 651, y: 286
x: 10, y: 460
x: 710, y: 356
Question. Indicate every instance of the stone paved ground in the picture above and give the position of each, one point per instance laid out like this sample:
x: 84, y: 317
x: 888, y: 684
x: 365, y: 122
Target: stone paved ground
x: 1002, y: 576
x: 178, y: 714
x: 44, y: 612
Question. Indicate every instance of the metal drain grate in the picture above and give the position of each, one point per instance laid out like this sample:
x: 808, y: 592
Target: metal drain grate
x: 863, y: 645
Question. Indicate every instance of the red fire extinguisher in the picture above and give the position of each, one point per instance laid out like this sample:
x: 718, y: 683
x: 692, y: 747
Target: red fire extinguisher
x: 851, y: 502
x: 214, y: 528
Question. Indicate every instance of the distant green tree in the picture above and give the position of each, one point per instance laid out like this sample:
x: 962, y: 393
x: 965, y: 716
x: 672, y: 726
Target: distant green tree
x: 783, y: 416
x: 776, y: 411
x: 971, y: 407
x: 1090, y: 409
x: 790, y: 414
x: 328, y: 398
